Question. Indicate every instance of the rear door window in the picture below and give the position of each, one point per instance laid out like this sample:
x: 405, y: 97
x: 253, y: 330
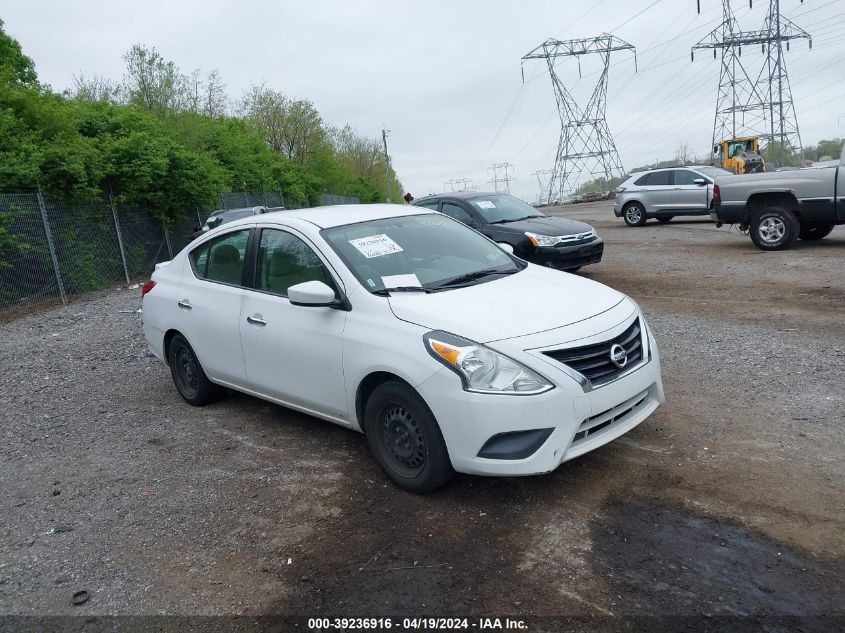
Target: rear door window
x: 658, y: 178
x: 221, y: 259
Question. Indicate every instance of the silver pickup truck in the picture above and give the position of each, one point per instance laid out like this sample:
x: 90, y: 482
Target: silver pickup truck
x: 777, y: 207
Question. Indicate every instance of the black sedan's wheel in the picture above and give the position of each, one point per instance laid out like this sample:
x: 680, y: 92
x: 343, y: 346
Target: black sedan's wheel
x: 405, y: 439
x: 810, y: 232
x: 188, y: 375
x: 634, y: 214
x: 664, y: 218
x: 774, y: 228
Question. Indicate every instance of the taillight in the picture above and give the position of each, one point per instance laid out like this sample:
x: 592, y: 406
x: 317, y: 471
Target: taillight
x: 620, y: 189
x: 147, y: 287
x: 717, y: 197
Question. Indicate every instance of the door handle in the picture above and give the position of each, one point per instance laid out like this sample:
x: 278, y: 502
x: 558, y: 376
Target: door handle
x: 256, y: 320
x: 184, y: 304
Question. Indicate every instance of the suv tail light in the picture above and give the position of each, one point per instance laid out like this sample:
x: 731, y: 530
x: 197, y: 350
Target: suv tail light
x: 620, y: 189
x: 717, y: 196
x: 147, y: 287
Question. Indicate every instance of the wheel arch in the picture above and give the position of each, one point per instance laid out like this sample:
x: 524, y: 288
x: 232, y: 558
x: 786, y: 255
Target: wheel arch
x: 168, y: 338
x: 366, y: 387
x: 784, y: 199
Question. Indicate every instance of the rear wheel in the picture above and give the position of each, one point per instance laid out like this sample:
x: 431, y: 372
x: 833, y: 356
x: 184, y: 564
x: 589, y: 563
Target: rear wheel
x: 188, y: 375
x: 774, y: 228
x: 809, y: 232
x: 634, y: 214
x: 665, y: 218
x: 405, y: 439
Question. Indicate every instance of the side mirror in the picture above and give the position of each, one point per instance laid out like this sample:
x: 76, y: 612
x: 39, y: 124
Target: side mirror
x: 700, y: 181
x: 312, y: 293
x: 505, y: 247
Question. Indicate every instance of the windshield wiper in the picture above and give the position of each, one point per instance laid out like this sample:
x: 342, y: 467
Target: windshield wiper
x: 386, y: 291
x: 478, y: 274
x: 527, y: 217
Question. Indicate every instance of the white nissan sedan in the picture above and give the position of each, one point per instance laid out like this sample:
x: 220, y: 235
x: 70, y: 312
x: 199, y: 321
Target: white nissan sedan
x: 447, y: 352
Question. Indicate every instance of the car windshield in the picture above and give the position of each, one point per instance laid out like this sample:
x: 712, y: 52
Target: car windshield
x: 501, y: 208
x: 713, y: 172
x: 418, y: 252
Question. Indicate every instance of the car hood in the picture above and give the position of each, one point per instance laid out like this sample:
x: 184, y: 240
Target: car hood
x: 547, y: 226
x: 533, y: 300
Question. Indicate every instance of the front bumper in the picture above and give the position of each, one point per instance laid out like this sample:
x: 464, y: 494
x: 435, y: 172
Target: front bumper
x: 580, y: 421
x: 567, y: 257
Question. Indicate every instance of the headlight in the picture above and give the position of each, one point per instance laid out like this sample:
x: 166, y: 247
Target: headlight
x: 481, y: 369
x: 542, y: 240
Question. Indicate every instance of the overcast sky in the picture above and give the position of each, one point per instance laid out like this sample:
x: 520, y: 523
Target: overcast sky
x: 442, y: 75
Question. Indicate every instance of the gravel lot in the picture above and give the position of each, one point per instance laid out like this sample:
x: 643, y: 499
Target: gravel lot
x: 728, y: 501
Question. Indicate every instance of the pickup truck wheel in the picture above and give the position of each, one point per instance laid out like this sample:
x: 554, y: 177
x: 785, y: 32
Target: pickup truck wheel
x: 774, y: 228
x: 814, y: 231
x: 634, y: 214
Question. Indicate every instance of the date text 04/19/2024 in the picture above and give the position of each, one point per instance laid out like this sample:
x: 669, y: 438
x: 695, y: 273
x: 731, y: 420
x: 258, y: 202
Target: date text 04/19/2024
x: 414, y: 624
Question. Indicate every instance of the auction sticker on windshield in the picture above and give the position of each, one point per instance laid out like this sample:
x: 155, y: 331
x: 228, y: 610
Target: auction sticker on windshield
x: 376, y: 246
x: 485, y: 204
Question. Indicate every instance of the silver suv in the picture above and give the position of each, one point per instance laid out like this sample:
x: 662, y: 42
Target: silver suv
x: 665, y: 193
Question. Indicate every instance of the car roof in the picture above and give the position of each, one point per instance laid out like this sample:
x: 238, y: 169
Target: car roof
x: 338, y: 215
x: 648, y: 171
x: 462, y: 195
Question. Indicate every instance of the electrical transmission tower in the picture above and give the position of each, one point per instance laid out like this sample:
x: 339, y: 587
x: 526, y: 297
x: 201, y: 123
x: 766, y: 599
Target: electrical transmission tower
x: 586, y: 146
x: 755, y: 103
x: 543, y: 181
x: 459, y: 184
x: 504, y: 180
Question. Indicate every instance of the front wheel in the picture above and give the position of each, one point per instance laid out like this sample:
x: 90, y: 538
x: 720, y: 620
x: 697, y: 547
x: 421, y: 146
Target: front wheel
x: 634, y: 214
x: 810, y: 232
x: 774, y: 228
x: 405, y: 439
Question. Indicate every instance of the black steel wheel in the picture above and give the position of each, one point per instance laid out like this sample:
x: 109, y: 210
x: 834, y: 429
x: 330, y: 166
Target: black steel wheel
x: 405, y: 439
x: 188, y: 375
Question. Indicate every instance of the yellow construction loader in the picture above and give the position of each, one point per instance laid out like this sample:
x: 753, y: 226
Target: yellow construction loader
x: 740, y: 155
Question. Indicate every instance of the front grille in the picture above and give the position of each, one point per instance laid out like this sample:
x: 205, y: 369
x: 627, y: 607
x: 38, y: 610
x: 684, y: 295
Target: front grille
x: 608, y: 418
x: 572, y: 240
x: 593, y: 361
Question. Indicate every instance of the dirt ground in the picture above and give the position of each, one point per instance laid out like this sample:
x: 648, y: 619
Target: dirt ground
x: 728, y: 501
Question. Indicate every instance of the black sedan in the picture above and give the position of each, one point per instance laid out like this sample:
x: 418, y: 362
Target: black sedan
x: 540, y: 239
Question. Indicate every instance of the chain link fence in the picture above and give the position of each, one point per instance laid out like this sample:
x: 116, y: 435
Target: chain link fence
x: 50, y: 250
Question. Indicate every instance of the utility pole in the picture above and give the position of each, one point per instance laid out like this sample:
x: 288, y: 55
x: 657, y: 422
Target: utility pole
x: 755, y: 104
x: 384, y: 134
x: 586, y: 146
x: 505, y: 179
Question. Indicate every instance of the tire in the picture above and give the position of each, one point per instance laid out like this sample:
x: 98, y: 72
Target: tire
x: 405, y: 439
x: 634, y: 214
x: 774, y: 228
x: 573, y: 270
x: 664, y: 218
x: 815, y: 231
x: 188, y: 375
